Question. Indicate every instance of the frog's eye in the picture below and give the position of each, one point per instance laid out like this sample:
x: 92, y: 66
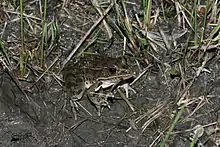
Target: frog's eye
x: 112, y: 69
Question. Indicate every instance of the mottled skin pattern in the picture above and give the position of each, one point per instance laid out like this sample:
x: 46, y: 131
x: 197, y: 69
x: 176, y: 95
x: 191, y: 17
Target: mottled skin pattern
x: 89, y: 71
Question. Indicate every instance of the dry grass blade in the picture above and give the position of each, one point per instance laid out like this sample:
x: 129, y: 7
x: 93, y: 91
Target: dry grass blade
x: 74, y: 51
x: 200, y: 104
x: 214, y: 11
x: 155, y: 40
x: 181, y: 7
x: 153, y: 116
x: 108, y: 29
x: 201, y: 68
x: 178, y: 13
x: 4, y: 53
x: 52, y: 64
x: 5, y: 25
x: 125, y: 27
x: 22, y: 50
x: 127, y: 21
x: 11, y: 75
x: 185, y: 93
x: 165, y: 39
x: 141, y: 74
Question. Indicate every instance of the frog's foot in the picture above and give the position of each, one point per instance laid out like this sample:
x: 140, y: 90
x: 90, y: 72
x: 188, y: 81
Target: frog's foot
x: 73, y: 103
x: 127, y: 87
x: 74, y: 108
x: 100, y: 100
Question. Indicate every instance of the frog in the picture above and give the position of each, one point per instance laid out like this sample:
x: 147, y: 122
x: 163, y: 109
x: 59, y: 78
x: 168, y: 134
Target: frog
x: 98, y: 77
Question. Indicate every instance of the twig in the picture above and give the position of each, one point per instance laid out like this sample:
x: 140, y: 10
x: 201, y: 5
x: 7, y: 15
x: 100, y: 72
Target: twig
x: 16, y: 83
x: 74, y: 51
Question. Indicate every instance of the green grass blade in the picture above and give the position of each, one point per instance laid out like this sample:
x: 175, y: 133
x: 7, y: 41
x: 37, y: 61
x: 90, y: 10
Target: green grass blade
x: 204, y: 21
x: 195, y: 25
x: 172, y: 126
x: 147, y: 5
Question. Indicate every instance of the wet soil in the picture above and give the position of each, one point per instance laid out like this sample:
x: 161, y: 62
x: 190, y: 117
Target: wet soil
x: 39, y: 114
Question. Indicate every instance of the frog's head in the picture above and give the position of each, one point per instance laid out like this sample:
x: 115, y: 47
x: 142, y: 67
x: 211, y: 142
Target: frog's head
x: 117, y: 66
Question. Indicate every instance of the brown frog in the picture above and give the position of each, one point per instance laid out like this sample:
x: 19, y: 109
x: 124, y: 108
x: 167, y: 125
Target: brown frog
x: 97, y: 77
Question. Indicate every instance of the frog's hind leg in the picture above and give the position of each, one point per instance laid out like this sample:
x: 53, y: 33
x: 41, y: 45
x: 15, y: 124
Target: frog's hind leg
x: 74, y: 103
x: 100, y: 101
x: 79, y: 96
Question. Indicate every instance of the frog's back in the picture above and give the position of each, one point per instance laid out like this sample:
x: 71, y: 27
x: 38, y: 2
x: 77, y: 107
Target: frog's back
x: 91, y: 67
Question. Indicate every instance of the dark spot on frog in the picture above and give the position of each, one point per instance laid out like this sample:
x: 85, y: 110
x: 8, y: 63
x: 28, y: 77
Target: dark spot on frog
x: 15, y: 139
x: 112, y: 69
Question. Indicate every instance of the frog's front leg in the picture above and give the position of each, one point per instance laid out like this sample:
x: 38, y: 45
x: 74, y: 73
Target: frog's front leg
x: 125, y: 98
x: 127, y: 87
x: 117, y: 83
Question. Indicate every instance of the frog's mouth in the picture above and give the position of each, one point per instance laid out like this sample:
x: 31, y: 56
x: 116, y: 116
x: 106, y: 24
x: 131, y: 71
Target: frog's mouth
x: 113, y: 82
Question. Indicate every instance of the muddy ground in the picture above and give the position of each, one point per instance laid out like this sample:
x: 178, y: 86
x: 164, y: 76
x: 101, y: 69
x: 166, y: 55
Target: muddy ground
x: 37, y: 113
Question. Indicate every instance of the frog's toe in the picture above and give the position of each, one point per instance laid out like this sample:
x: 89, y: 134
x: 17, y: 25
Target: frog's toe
x: 102, y: 106
x: 127, y: 87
